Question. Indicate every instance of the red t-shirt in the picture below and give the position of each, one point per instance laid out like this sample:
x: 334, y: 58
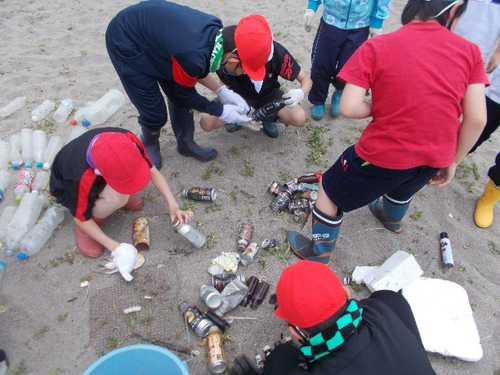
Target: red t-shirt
x: 418, y: 76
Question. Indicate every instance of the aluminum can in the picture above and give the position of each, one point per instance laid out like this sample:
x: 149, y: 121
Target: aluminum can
x: 292, y: 186
x: 274, y: 187
x: 217, y: 320
x: 221, y: 280
x: 309, y: 194
x: 210, y: 296
x: 298, y: 205
x: 141, y: 234
x: 244, y: 236
x: 200, y: 194
x: 281, y: 201
x: 217, y: 361
x: 249, y: 254
x: 306, y: 187
x: 194, y: 317
x: 446, y: 253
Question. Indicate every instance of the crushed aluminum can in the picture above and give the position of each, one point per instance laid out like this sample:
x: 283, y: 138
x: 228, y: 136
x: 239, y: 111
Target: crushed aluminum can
x: 221, y: 280
x: 292, y: 186
x: 249, y: 254
x: 270, y: 243
x: 299, y: 216
x: 298, y: 205
x: 141, y: 234
x: 244, y: 236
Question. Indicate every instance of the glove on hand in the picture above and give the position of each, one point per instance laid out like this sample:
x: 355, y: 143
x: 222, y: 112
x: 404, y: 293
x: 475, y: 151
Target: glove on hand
x: 308, y: 17
x: 374, y: 32
x: 233, y: 113
x: 228, y: 96
x: 124, y: 257
x: 293, y: 97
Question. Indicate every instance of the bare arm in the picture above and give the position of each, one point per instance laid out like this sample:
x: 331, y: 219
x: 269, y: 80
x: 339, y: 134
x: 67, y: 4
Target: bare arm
x: 305, y: 82
x: 91, y: 228
x: 210, y: 83
x: 353, y: 104
x: 494, y: 60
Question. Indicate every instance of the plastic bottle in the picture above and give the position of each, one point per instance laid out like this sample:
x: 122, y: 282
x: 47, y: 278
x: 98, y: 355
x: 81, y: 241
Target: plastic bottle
x: 27, y: 146
x: 77, y: 131
x: 54, y: 146
x: 39, y: 145
x: 2, y: 269
x: 81, y: 114
x: 41, y: 232
x: 4, y: 155
x: 15, y: 157
x: 40, y: 112
x: 446, y: 252
x: 13, y: 106
x: 5, y: 178
x: 23, y: 220
x: 41, y: 181
x: 63, y: 111
x: 24, y: 183
x: 7, y: 214
x: 105, y: 107
x: 189, y: 232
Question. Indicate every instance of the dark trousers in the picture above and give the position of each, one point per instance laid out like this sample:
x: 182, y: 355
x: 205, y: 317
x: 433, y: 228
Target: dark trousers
x: 331, y: 49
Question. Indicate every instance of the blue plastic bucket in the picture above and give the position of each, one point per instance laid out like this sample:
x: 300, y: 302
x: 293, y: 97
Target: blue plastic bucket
x: 139, y: 360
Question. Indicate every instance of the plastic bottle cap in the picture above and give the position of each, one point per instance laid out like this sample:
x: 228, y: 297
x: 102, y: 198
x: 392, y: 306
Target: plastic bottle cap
x: 86, y: 123
x: 21, y: 256
x: 1, y: 194
x: 9, y: 251
x: 443, y: 235
x: 19, y: 198
x: 2, y: 263
x: 34, y: 118
x: 46, y: 166
x: 15, y: 166
x: 28, y: 165
x: 73, y: 121
x: 39, y: 164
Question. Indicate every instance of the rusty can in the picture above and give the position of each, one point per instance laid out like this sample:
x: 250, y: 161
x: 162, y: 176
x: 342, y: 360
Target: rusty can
x: 298, y: 205
x: 217, y: 361
x: 200, y: 194
x: 141, y: 234
x: 309, y: 194
x: 244, y: 236
x: 281, y: 201
x: 249, y: 253
x: 194, y: 317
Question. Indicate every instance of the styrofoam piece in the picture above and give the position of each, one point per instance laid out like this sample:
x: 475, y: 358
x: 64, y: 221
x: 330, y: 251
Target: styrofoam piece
x: 395, y: 273
x: 359, y: 273
x: 444, y: 318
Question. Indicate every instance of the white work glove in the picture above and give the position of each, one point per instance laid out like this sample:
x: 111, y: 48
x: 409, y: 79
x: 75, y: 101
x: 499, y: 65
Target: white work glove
x: 293, y: 97
x: 124, y: 257
x: 232, y: 113
x: 228, y: 96
x: 308, y: 17
x: 374, y: 32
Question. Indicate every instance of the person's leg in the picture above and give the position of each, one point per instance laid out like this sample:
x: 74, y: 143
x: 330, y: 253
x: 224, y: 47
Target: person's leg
x: 483, y: 215
x: 493, y: 111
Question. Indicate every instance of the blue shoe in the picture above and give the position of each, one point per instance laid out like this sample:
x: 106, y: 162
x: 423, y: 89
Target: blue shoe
x: 234, y: 127
x: 335, y: 108
x: 270, y: 128
x: 318, y: 112
x: 389, y: 213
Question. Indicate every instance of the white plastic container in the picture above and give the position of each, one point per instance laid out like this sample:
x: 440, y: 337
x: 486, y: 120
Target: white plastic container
x: 40, y: 112
x: 15, y: 157
x: 5, y: 218
x: 77, y: 131
x: 39, y: 145
x: 105, y: 107
x: 23, y: 220
x: 24, y: 183
x: 41, y: 232
x: 81, y: 114
x: 4, y: 155
x: 27, y: 146
x: 63, y: 111
x: 41, y: 181
x: 5, y: 178
x: 13, y: 106
x: 54, y: 146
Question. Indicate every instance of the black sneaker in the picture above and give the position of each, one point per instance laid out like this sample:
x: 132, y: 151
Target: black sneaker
x: 234, y: 127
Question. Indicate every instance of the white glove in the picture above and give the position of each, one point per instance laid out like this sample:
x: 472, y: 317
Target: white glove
x: 124, y: 257
x: 228, y: 96
x: 374, y: 32
x: 293, y: 97
x: 233, y: 113
x: 308, y: 17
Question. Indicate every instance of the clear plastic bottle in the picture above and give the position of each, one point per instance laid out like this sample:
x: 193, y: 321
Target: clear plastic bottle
x: 15, y: 157
x: 13, y: 106
x: 40, y: 112
x: 41, y: 232
x: 54, y: 146
x: 24, y: 183
x: 189, y: 232
x: 81, y: 114
x: 23, y: 220
x: 5, y: 218
x: 5, y: 177
x: 41, y: 181
x: 27, y: 146
x: 39, y: 145
x: 63, y: 111
x: 105, y: 107
x: 4, y: 155
x: 77, y: 131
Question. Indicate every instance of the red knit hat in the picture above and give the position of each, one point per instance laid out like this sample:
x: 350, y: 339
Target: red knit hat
x: 120, y: 163
x: 253, y: 39
x: 308, y: 293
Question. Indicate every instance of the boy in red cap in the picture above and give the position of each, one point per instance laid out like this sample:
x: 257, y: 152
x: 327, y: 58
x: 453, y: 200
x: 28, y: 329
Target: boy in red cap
x: 340, y: 335
x: 98, y: 173
x: 251, y: 65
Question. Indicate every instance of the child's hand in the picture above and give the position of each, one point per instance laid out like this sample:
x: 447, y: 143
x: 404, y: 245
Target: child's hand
x: 308, y: 17
x: 183, y: 216
x: 293, y: 97
x: 444, y: 176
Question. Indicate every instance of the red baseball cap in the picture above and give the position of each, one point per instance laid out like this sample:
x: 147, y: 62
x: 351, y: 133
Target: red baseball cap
x: 308, y: 293
x: 253, y: 39
x: 120, y: 163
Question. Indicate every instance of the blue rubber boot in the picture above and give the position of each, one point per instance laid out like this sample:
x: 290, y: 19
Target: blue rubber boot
x: 270, y: 128
x: 318, y: 112
x: 335, y: 108
x: 325, y: 230
x: 389, y: 212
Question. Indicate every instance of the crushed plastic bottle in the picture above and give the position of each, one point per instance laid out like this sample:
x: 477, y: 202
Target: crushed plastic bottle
x: 13, y: 106
x: 15, y: 157
x: 63, y: 111
x: 24, y: 183
x: 105, y: 107
x: 5, y: 177
x: 41, y: 181
x: 40, y: 112
x: 54, y: 146
x: 4, y: 155
x: 39, y: 145
x: 27, y: 146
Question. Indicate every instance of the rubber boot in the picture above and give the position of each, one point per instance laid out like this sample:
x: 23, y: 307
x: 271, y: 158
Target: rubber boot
x: 150, y: 138
x: 182, y: 120
x: 269, y: 128
x: 389, y: 213
x: 318, y: 111
x: 483, y: 216
x: 135, y: 203
x: 325, y: 230
x: 85, y: 244
x: 335, y: 108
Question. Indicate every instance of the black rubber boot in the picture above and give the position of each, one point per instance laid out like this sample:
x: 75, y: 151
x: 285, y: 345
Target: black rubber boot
x: 182, y: 120
x: 151, y: 141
